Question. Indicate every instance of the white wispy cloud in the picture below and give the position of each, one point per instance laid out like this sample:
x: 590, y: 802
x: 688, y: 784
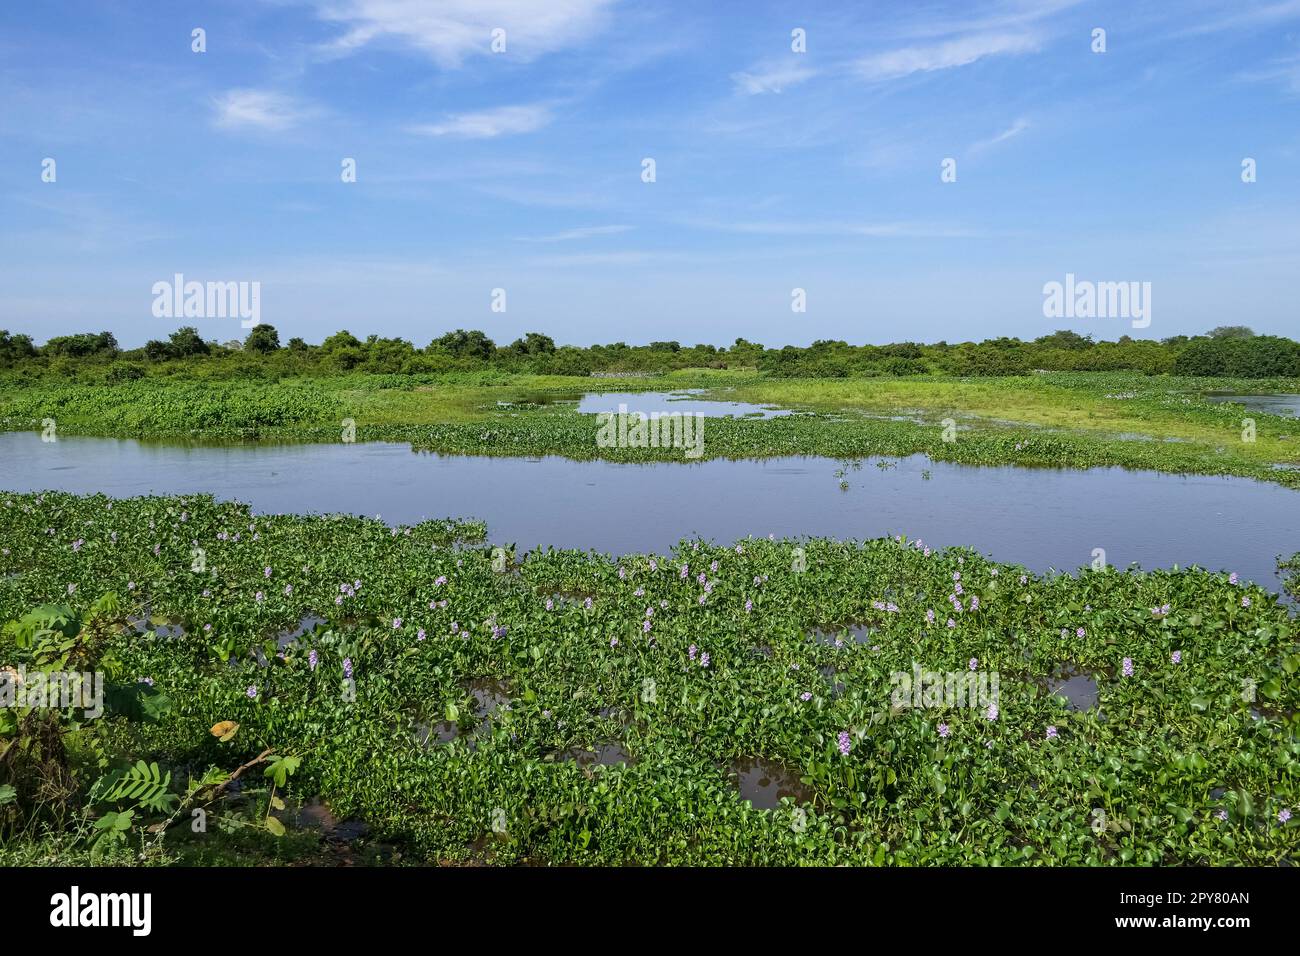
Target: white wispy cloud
x: 549, y: 195
x: 1015, y: 129
x: 959, y: 51
x: 582, y: 232
x: 1285, y: 72
x: 260, y: 109
x: 448, y: 31
x: 486, y: 124
x: 1244, y: 15
x: 634, y: 257
x: 998, y: 16
x: 770, y: 78
x: 813, y: 227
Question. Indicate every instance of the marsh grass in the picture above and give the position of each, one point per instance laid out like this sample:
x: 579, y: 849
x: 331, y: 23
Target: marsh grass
x: 1052, y: 420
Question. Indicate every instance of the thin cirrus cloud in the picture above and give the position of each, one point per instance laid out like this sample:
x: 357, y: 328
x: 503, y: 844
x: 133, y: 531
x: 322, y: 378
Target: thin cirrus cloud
x: 448, y: 31
x: 582, y: 232
x: 960, y: 51
x: 1284, y: 72
x: 995, y: 17
x: 771, y: 78
x: 488, y: 124
x: 260, y: 109
x: 1012, y: 131
x: 1245, y: 15
x: 830, y: 229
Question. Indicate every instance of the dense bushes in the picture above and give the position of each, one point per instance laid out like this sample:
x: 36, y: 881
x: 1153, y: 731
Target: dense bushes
x: 1260, y: 356
x: 1230, y: 351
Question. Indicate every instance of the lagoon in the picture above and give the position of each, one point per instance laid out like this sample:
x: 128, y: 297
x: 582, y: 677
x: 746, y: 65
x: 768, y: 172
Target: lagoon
x: 1042, y: 518
x: 1274, y: 404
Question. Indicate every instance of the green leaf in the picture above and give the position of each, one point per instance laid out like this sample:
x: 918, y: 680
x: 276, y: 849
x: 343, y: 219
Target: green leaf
x: 155, y: 706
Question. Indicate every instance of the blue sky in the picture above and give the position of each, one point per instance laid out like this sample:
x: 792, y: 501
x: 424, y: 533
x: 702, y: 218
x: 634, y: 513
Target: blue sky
x: 775, y: 170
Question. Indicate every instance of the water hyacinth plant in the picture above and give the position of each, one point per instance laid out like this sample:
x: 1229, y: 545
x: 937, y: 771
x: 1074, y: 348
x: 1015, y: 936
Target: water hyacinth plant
x: 1170, y: 744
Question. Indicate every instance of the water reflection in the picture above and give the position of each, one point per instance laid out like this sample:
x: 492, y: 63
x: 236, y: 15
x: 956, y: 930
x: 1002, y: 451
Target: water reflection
x: 1039, y: 517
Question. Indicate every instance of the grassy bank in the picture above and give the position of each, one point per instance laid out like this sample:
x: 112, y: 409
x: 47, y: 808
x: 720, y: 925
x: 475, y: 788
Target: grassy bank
x: 1057, y: 420
x: 479, y: 687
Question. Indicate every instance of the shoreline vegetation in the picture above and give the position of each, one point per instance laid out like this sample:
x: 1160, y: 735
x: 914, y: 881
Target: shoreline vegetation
x: 1052, y: 420
x: 1228, y: 351
x: 431, y: 702
x: 1062, y: 400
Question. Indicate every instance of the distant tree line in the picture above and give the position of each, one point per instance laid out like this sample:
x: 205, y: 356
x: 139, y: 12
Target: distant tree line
x: 1225, y: 351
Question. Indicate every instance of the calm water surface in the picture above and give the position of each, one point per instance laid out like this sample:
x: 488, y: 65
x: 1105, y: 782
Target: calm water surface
x: 647, y: 403
x: 1279, y: 404
x: 1041, y: 518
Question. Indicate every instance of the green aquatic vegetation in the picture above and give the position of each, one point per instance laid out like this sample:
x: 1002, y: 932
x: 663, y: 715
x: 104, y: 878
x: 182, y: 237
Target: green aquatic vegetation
x: 51, y: 700
x: 689, y: 663
x: 167, y: 408
x: 1075, y: 420
x: 1109, y: 408
x: 1290, y: 570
